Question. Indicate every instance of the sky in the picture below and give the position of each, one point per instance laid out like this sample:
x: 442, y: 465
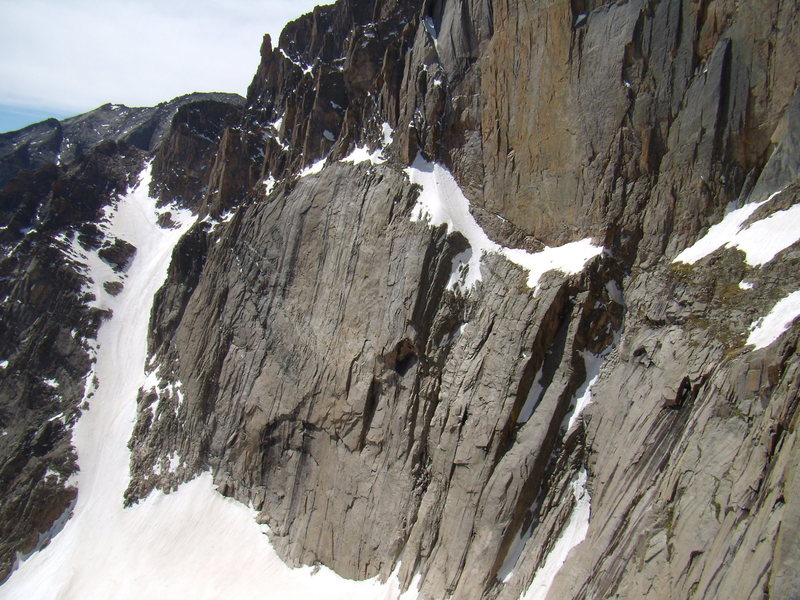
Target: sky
x: 64, y: 57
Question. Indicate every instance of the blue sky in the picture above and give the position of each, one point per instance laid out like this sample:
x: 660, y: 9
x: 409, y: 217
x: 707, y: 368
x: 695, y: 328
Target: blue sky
x: 14, y: 117
x: 64, y: 57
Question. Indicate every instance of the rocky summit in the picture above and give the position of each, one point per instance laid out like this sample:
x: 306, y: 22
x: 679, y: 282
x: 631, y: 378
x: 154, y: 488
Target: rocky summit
x: 471, y: 299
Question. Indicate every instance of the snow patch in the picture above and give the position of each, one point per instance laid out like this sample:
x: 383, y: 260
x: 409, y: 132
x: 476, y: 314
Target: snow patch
x: 760, y: 241
x: 154, y: 384
x: 763, y: 240
x: 51, y: 383
x: 362, y: 154
x: 770, y: 327
x: 746, y: 285
x: 3, y: 364
x: 328, y: 135
x: 569, y: 258
x: 213, y: 223
x: 174, y: 461
x: 313, y: 168
x: 51, y: 473
x: 269, y: 185
x: 442, y: 202
x: 572, y: 535
x: 388, y: 134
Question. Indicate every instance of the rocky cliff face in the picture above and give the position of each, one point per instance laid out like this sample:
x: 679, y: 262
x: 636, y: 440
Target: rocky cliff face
x: 324, y: 347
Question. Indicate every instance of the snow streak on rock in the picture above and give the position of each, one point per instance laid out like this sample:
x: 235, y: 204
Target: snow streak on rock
x: 583, y: 396
x: 573, y: 534
x: 193, y: 543
x: 442, y: 202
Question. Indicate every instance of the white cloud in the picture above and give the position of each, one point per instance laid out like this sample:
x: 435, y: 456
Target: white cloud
x: 74, y: 56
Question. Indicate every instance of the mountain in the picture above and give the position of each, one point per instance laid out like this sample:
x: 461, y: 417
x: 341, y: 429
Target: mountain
x: 63, y: 142
x: 484, y: 299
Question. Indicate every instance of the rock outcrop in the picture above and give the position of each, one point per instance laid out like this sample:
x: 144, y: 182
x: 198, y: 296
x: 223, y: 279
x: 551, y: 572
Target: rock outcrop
x: 317, y: 347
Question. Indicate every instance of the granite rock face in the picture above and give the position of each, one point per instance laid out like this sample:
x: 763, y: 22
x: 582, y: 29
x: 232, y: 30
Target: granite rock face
x: 311, y: 351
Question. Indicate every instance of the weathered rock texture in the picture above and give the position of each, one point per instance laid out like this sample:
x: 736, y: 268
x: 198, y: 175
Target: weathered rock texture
x: 311, y: 355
